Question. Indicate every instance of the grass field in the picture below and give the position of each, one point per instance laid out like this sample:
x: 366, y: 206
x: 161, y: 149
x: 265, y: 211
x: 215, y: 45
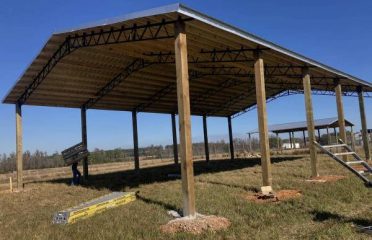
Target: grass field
x: 325, y: 211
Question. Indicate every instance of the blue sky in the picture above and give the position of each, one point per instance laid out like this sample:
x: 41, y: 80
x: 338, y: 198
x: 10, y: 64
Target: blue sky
x: 333, y: 32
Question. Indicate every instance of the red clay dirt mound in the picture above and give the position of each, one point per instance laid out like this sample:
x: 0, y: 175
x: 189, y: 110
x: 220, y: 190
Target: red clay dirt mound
x: 196, y: 225
x: 279, y: 196
x: 327, y: 178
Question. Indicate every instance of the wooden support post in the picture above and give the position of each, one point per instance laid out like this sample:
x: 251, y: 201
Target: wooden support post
x: 84, y: 139
x: 290, y: 140
x: 259, y: 73
x: 231, y: 139
x: 310, y: 122
x: 135, y: 141
x: 206, y: 145
x: 277, y: 141
x: 352, y: 138
x: 335, y: 133
x: 319, y: 135
x: 328, y: 137
x: 363, y: 121
x: 340, y: 113
x: 250, y: 142
x: 183, y: 99
x: 303, y: 135
x: 19, y: 147
x: 174, y: 133
x: 10, y: 184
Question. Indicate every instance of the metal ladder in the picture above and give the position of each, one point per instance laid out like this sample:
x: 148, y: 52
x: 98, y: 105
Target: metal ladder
x: 348, y: 164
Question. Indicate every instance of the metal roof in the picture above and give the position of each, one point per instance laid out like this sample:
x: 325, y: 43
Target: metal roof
x: 127, y: 63
x: 302, y: 126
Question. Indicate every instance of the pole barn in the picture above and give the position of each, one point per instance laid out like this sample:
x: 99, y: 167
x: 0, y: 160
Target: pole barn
x: 176, y: 60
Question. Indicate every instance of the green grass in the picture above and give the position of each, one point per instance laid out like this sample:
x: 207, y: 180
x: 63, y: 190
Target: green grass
x: 326, y: 211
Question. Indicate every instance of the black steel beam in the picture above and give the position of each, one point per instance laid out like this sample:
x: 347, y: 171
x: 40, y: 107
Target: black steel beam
x: 211, y: 56
x: 134, y: 66
x: 148, y: 31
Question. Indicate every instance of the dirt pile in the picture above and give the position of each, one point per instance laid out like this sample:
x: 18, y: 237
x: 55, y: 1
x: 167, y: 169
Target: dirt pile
x: 278, y: 196
x: 196, y: 225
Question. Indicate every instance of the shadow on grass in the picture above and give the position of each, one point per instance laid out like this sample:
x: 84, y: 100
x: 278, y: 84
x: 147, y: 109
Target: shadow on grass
x: 164, y: 205
x: 321, y: 216
x: 116, y: 181
x: 245, y: 188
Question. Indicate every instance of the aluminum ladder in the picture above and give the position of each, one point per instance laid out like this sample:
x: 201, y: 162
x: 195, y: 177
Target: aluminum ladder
x: 348, y: 164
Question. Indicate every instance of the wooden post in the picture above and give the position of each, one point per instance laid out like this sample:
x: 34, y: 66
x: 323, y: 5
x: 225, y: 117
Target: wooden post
x: 10, y: 184
x: 135, y: 141
x: 340, y: 113
x: 259, y: 73
x: 250, y: 142
x: 303, y: 134
x: 335, y: 133
x: 174, y: 132
x: 84, y: 139
x: 231, y: 140
x: 310, y: 122
x: 363, y: 121
x: 318, y: 135
x: 19, y: 147
x: 183, y: 99
x: 206, y: 146
x: 328, y: 137
x: 277, y: 141
x: 352, y: 138
x: 290, y: 140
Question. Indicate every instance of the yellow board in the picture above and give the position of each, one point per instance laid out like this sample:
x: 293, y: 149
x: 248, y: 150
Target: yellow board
x: 93, y: 207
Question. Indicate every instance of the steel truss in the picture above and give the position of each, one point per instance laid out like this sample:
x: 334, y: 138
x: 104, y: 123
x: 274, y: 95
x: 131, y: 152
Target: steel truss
x: 210, y: 56
x: 193, y: 75
x: 134, y: 66
x: 294, y: 92
x: 148, y: 31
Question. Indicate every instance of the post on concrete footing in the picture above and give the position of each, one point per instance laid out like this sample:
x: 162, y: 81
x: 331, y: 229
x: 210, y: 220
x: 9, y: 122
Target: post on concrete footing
x: 183, y: 100
x: 259, y: 73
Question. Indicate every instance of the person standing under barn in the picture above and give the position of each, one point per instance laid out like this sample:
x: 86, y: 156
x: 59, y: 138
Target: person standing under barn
x: 75, y: 174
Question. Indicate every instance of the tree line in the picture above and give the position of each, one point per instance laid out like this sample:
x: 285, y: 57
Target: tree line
x: 40, y: 159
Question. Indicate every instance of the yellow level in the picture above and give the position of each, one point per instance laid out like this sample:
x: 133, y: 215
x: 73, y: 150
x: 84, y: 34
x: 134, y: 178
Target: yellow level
x: 92, y: 207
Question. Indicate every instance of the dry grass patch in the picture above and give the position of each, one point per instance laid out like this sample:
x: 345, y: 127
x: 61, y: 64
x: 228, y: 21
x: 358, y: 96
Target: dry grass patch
x: 325, y: 211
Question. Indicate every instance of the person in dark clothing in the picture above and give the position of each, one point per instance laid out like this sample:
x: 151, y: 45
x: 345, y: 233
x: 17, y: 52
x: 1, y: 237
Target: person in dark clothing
x: 75, y: 174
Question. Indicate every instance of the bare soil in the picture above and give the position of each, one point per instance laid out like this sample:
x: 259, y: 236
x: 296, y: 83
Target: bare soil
x: 326, y: 178
x: 278, y: 196
x: 196, y: 225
